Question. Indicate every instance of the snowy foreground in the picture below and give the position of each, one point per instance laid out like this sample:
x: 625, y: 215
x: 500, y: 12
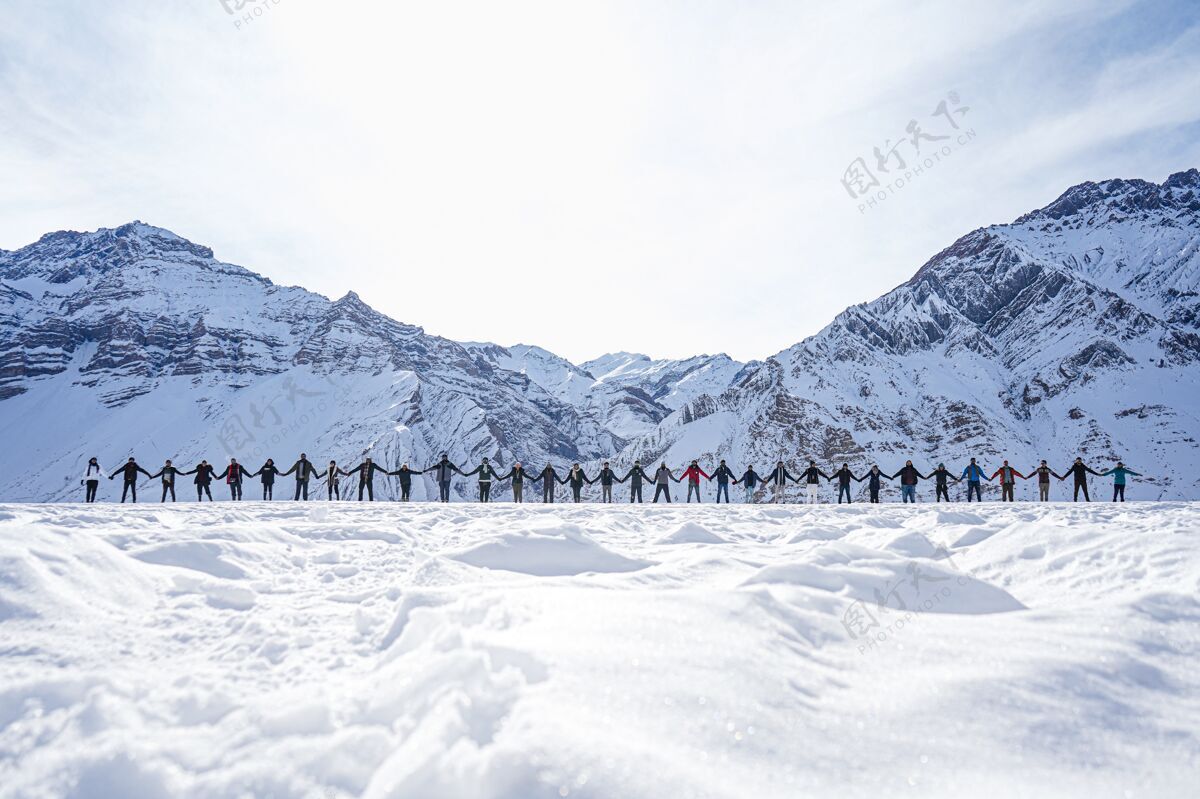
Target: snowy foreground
x: 317, y: 650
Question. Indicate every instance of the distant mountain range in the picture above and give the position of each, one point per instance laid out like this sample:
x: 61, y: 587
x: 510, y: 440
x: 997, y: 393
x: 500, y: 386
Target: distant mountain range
x: 1074, y: 329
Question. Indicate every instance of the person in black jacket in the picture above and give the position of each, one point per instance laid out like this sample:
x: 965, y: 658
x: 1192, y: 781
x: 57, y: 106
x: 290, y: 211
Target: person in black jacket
x: 443, y: 472
x: 941, y: 475
x: 812, y: 477
x: 204, y: 476
x: 635, y: 477
x: 723, y: 475
x: 304, y: 470
x: 549, y: 479
x: 366, y: 477
x: 1080, y: 473
x: 167, y: 473
x: 233, y: 475
x: 778, y: 478
x: 874, y: 480
x: 486, y: 475
x: 844, y: 476
x: 268, y: 473
x: 576, y: 477
x: 750, y: 481
x: 909, y: 476
x: 130, y: 470
x: 1044, y: 473
x: 662, y: 482
x: 606, y: 477
x: 406, y: 475
x: 518, y: 475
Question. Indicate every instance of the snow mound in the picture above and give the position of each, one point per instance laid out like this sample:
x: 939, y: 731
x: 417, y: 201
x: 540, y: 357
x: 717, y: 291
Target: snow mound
x: 549, y: 551
x: 691, y: 533
x: 915, y: 583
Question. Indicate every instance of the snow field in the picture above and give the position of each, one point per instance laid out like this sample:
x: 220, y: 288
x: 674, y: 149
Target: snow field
x: 516, y: 652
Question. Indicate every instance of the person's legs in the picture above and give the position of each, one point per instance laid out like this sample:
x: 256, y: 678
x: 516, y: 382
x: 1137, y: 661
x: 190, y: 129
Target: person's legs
x: 638, y: 489
x: 444, y: 491
x: 297, y: 497
x: 1086, y: 498
x: 124, y: 492
x: 1119, y: 490
x: 906, y: 494
x: 1043, y: 492
x: 693, y: 488
x: 575, y: 491
x: 779, y: 492
x: 518, y: 490
x: 164, y: 493
x: 606, y: 493
x: 844, y: 490
x: 1006, y: 492
x: 269, y: 491
x: 547, y: 491
x: 92, y: 485
x: 875, y: 495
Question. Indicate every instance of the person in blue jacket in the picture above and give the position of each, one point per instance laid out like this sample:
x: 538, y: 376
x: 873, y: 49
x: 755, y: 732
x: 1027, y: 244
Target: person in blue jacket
x: 1119, y: 472
x: 975, y: 476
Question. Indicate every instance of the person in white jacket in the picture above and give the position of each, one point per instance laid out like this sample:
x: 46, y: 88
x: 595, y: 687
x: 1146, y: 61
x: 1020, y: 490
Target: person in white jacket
x: 91, y: 479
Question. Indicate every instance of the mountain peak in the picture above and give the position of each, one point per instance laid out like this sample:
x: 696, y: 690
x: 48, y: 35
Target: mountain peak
x: 1117, y: 194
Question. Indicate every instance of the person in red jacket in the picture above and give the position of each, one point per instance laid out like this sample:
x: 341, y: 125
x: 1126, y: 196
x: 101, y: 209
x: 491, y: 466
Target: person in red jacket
x: 693, y: 474
x: 1008, y: 478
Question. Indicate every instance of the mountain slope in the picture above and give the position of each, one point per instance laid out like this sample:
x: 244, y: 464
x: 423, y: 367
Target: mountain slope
x: 1017, y: 341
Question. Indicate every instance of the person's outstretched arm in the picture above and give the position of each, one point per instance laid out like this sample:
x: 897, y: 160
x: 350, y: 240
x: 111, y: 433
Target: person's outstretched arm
x: 619, y: 479
x: 564, y: 480
x: 157, y: 474
x: 473, y: 471
x: 922, y: 476
x: 1131, y: 471
x: 1088, y: 469
x: 289, y: 471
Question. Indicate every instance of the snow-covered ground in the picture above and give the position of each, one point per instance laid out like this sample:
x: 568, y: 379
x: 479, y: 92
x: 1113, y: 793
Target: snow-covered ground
x: 333, y: 650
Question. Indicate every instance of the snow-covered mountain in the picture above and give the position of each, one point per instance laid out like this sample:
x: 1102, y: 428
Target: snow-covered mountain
x: 1073, y: 329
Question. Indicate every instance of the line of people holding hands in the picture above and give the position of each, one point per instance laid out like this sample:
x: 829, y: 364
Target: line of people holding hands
x: 443, y: 472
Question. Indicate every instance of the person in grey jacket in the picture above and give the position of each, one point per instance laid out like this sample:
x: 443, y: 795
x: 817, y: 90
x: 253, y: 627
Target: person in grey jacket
x: 662, y: 482
x: 443, y: 472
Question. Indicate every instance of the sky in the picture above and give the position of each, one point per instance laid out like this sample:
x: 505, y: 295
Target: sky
x: 672, y: 178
